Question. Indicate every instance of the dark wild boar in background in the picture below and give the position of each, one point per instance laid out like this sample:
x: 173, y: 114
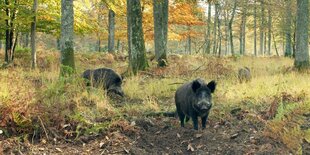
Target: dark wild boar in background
x: 194, y: 99
x: 105, y: 78
x: 244, y: 74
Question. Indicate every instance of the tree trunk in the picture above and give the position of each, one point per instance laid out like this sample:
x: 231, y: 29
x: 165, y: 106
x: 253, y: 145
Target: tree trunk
x: 242, y: 28
x: 27, y: 39
x: 269, y: 29
x: 219, y: 34
x: 33, y: 35
x: 302, y: 39
x: 255, y: 29
x: 111, y: 31
x: 275, y: 44
x: 136, y: 46
x: 189, y: 44
x: 230, y: 28
x: 261, y: 29
x: 214, y: 29
x: 66, y: 38
x: 160, y: 12
x: 208, y: 36
x: 288, y: 24
x: 9, y: 33
x: 118, y: 45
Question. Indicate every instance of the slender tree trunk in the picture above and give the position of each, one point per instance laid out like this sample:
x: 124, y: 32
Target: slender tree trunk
x: 118, y: 45
x: 27, y: 39
x: 302, y: 37
x: 269, y: 29
x: 214, y: 29
x: 208, y: 36
x: 33, y: 35
x: 160, y: 12
x: 255, y: 29
x: 265, y: 43
x: 230, y: 28
x: 111, y: 31
x: 288, y: 24
x: 66, y: 38
x: 275, y: 44
x: 219, y: 34
x: 242, y: 27
x: 226, y: 33
x: 261, y: 29
x: 136, y: 46
x: 189, y: 44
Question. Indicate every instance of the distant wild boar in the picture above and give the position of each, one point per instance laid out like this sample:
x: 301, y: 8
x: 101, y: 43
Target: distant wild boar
x: 106, y: 78
x: 194, y: 99
x: 244, y: 74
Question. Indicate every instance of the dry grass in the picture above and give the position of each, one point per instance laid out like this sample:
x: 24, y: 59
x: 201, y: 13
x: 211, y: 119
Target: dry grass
x: 25, y: 94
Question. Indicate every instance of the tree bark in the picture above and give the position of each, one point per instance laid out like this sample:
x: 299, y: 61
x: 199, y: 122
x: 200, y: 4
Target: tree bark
x: 208, y: 36
x: 230, y: 28
x: 261, y: 29
x: 269, y: 29
x: 136, y: 46
x: 275, y: 44
x: 302, y: 39
x: 111, y: 31
x: 214, y: 29
x: 287, y: 25
x: 219, y: 33
x: 33, y: 35
x: 255, y: 29
x: 66, y: 38
x: 242, y: 28
x: 160, y: 12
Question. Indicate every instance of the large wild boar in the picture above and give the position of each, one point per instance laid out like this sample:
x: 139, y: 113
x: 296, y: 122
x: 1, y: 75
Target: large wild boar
x: 194, y: 99
x: 106, y: 78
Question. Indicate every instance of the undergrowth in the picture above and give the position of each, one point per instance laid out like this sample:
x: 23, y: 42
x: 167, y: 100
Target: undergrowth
x: 41, y: 101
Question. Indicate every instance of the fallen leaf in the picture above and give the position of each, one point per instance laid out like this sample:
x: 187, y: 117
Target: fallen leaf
x: 127, y: 151
x: 190, y: 147
x: 178, y: 135
x: 234, y: 136
x: 58, y: 149
x: 198, y: 135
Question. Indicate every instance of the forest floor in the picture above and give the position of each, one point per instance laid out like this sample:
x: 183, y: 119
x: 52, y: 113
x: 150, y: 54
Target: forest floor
x: 41, y: 114
x: 160, y: 136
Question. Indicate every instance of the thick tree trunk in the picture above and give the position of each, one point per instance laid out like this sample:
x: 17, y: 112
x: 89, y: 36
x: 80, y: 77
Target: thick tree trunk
x: 33, y: 35
x: 111, y: 31
x: 208, y: 36
x: 160, y: 12
x: 9, y: 33
x: 287, y: 25
x: 136, y: 46
x: 302, y: 38
x: 261, y: 29
x: 66, y: 38
x: 230, y: 28
x: 269, y: 29
x: 255, y: 29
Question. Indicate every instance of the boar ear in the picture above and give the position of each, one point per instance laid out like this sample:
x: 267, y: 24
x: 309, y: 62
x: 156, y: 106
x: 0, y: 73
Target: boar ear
x: 211, y: 85
x: 196, y: 85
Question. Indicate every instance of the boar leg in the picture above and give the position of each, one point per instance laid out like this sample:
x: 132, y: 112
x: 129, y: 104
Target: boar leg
x: 195, y: 122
